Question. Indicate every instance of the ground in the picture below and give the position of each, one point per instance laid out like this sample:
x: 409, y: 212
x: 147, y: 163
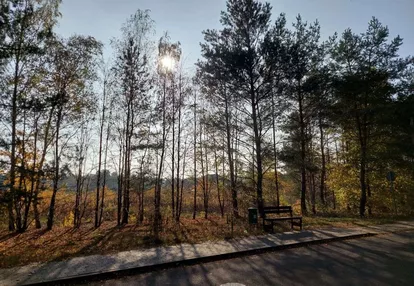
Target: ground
x: 380, y: 260
x: 65, y: 242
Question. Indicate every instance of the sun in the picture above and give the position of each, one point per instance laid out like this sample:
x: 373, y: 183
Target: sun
x: 167, y: 62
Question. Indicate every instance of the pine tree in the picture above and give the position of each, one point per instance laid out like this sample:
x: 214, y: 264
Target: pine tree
x: 369, y: 68
x: 245, y: 24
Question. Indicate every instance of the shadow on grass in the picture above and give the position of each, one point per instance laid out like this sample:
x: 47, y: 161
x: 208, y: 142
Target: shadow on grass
x: 64, y: 243
x: 8, y: 236
x: 92, y: 247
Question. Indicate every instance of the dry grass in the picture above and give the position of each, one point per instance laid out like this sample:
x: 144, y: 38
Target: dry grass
x: 345, y: 222
x: 65, y: 242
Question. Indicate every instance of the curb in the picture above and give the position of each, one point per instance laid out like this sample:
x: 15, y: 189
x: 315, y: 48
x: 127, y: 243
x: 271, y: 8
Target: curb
x: 98, y: 276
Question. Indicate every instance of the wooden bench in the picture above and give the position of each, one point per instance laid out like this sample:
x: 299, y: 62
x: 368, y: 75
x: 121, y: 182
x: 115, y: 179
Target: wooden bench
x: 294, y: 220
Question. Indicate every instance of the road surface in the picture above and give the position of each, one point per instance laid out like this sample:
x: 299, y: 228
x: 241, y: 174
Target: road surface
x: 379, y: 260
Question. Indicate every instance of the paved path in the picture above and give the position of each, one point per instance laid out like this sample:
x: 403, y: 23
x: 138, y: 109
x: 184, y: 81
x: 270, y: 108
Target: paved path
x: 380, y: 260
x: 149, y: 258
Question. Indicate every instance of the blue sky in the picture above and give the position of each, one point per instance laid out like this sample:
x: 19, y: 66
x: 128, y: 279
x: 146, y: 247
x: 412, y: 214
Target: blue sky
x: 185, y: 19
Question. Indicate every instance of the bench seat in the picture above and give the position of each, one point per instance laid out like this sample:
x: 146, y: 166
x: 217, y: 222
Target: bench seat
x: 294, y: 220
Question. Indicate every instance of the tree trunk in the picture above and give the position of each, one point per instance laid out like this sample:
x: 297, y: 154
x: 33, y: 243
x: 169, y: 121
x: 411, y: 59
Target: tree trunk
x: 336, y: 152
x: 38, y: 225
x: 369, y: 197
x: 203, y: 175
x: 173, y: 157
x: 51, y: 213
x: 141, y: 201
x: 140, y: 217
x: 127, y: 163
x: 85, y: 198
x: 362, y: 175
x: 13, y: 198
x: 207, y: 193
x: 217, y: 182
x: 178, y: 196
x: 120, y: 183
x: 195, y: 157
x: 29, y: 197
x: 77, y: 211
x: 233, y: 188
x: 323, y: 163
x: 79, y: 179
x: 98, y: 179
x: 157, y: 195
x: 327, y: 191
x: 259, y: 167
x: 179, y: 207
x: 41, y: 175
x: 303, y: 156
x: 275, y: 152
x: 33, y: 175
x: 108, y: 135
x: 362, y: 168
x: 22, y: 187
x: 313, y: 193
x: 223, y: 182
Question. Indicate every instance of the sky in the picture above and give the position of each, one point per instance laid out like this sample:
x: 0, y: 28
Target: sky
x: 186, y: 19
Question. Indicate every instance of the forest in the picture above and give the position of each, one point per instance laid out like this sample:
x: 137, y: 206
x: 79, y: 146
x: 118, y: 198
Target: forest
x: 271, y: 114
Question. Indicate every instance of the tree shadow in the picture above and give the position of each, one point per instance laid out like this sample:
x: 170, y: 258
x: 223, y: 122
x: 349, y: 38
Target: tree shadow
x: 8, y: 236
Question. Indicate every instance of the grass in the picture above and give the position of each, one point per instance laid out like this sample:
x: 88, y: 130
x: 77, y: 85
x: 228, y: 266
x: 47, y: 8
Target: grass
x: 346, y: 222
x: 65, y: 242
x: 313, y: 222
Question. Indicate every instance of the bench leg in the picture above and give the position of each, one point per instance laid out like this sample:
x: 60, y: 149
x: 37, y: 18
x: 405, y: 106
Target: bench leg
x: 300, y: 224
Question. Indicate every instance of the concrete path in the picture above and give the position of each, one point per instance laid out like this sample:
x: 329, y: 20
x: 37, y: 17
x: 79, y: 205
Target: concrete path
x: 380, y: 260
x: 163, y: 257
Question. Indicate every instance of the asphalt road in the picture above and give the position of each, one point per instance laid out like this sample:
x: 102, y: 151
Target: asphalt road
x: 380, y: 260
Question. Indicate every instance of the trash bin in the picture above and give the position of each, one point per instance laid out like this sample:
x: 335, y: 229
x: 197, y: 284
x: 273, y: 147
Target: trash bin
x: 252, y: 215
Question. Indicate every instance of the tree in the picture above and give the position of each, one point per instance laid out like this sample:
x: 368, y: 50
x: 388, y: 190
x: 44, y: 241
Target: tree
x: 320, y: 87
x: 167, y: 57
x: 72, y: 72
x: 304, y: 57
x: 203, y: 157
x: 239, y: 49
x: 26, y: 27
x: 132, y: 70
x: 212, y: 74
x: 109, y: 125
x: 100, y: 195
x: 80, y: 156
x: 184, y: 90
x: 171, y: 61
x: 368, y: 68
x: 195, y: 154
x: 277, y: 59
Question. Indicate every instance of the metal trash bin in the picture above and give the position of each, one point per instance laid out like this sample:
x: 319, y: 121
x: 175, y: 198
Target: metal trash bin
x: 252, y: 215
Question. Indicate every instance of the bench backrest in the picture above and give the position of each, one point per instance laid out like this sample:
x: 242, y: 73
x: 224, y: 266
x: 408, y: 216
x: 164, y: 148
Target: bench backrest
x: 277, y: 210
